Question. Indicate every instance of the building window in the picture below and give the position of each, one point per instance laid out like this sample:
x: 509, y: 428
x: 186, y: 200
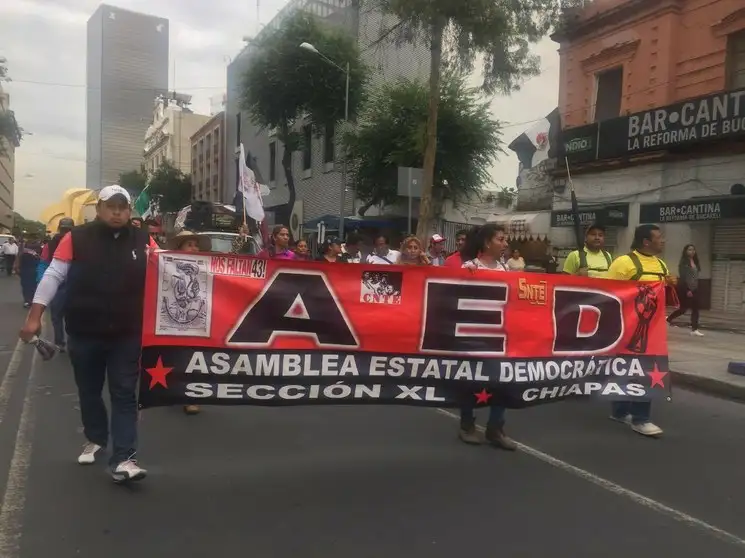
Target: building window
x: 608, y: 91
x: 328, y: 144
x: 273, y: 161
x: 736, y: 61
x: 307, y: 146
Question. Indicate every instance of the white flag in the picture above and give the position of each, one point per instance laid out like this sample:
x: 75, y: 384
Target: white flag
x: 250, y: 189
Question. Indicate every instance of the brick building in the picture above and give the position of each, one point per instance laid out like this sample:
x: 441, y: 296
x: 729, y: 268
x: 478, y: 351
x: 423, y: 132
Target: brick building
x: 207, y: 160
x: 652, y: 102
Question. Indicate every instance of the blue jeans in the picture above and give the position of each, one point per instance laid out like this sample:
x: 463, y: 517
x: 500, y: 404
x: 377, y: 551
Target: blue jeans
x: 94, y: 361
x: 57, y: 308
x: 640, y: 411
x: 27, y: 275
x: 496, y: 416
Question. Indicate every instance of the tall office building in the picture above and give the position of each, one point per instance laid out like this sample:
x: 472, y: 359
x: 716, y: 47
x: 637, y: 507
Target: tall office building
x: 127, y: 68
x: 7, y: 165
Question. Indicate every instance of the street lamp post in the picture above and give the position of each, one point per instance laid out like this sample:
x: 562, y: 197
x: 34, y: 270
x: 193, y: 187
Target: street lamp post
x: 343, y: 193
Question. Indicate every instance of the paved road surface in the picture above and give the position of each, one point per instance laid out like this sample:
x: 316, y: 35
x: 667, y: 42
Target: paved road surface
x: 366, y: 482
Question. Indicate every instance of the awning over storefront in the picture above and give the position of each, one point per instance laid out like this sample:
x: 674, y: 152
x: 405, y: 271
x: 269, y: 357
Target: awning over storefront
x: 525, y: 226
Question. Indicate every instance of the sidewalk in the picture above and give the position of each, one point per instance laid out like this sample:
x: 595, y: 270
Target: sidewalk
x: 717, y: 321
x: 700, y: 363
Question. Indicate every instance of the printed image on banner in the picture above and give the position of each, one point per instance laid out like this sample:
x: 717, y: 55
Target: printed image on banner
x: 184, y: 296
x: 244, y: 331
x: 381, y: 287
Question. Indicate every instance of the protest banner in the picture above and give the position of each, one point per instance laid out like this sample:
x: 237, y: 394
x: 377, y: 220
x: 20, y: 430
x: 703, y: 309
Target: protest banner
x: 234, y: 330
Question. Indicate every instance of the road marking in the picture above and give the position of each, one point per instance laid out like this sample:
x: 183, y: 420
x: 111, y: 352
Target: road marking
x: 619, y: 490
x: 6, y: 388
x: 14, y: 499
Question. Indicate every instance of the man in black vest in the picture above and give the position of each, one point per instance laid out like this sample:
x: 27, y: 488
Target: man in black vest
x: 103, y: 265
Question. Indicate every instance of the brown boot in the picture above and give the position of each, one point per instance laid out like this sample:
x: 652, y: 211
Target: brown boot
x: 191, y: 409
x: 469, y: 435
x: 496, y: 437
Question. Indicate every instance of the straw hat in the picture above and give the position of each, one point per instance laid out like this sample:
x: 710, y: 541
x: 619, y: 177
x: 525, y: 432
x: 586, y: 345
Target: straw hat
x: 205, y: 245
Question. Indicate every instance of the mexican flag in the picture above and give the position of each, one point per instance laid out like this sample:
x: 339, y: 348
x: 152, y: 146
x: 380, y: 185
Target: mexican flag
x: 142, y: 204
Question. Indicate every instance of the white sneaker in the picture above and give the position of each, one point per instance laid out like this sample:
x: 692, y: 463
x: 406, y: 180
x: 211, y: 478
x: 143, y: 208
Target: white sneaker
x: 88, y: 456
x: 647, y: 429
x: 623, y: 420
x: 128, y: 471
x: 697, y: 333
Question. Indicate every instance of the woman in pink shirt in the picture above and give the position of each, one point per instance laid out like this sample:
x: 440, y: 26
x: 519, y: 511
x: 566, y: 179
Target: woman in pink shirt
x: 279, y: 245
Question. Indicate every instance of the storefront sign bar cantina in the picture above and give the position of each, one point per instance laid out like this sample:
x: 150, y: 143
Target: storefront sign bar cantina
x: 704, y: 209
x: 616, y: 215
x: 700, y: 120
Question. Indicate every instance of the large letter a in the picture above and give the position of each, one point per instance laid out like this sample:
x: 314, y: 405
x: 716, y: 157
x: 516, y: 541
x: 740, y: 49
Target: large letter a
x: 295, y: 303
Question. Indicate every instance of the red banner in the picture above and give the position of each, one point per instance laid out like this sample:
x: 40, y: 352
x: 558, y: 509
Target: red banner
x: 221, y: 329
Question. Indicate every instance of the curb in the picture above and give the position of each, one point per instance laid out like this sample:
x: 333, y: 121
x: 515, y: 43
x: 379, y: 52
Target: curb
x: 708, y: 386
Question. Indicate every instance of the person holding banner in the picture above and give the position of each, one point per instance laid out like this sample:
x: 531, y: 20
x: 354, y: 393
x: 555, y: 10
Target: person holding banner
x: 279, y: 245
x: 596, y: 259
x: 641, y: 264
x: 186, y: 241
x: 350, y: 252
x: 455, y: 260
x: 302, y: 252
x: 412, y: 252
x: 330, y: 251
x: 383, y: 255
x: 103, y: 264
x: 483, y: 251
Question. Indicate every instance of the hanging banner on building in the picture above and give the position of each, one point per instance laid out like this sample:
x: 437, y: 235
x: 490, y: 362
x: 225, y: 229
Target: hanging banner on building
x: 229, y: 330
x: 701, y: 120
x: 615, y: 215
x: 703, y: 209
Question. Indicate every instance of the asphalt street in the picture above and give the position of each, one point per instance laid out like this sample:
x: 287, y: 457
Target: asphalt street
x: 337, y: 482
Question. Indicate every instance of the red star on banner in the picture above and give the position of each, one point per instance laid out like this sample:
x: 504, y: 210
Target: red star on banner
x: 158, y: 374
x: 657, y: 377
x: 482, y: 396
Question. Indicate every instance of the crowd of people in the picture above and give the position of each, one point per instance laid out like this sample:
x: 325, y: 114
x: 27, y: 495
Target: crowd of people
x: 101, y: 265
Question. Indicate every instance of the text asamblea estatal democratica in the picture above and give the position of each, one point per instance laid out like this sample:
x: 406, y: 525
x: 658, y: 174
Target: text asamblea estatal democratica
x: 339, y: 365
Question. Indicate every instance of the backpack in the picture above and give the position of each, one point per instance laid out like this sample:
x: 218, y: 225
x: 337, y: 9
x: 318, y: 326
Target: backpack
x: 640, y: 270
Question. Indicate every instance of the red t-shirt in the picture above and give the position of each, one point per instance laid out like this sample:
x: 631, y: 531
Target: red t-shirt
x: 454, y: 260
x: 64, y: 248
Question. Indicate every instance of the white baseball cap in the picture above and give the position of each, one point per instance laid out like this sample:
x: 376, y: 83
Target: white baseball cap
x: 115, y: 190
x: 437, y: 238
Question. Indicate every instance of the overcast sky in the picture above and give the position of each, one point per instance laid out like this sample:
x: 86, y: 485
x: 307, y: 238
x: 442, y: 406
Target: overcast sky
x: 45, y: 40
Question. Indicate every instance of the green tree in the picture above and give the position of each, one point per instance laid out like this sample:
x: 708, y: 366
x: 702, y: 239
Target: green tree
x: 134, y: 181
x: 10, y: 132
x: 27, y: 227
x: 169, y: 188
x: 391, y: 135
x: 500, y: 31
x: 285, y: 83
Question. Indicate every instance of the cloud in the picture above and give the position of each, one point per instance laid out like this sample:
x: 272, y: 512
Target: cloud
x: 45, y: 44
x: 518, y: 112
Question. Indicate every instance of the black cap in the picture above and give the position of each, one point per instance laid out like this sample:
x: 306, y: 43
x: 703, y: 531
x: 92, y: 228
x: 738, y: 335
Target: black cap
x: 595, y: 227
x: 66, y: 223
